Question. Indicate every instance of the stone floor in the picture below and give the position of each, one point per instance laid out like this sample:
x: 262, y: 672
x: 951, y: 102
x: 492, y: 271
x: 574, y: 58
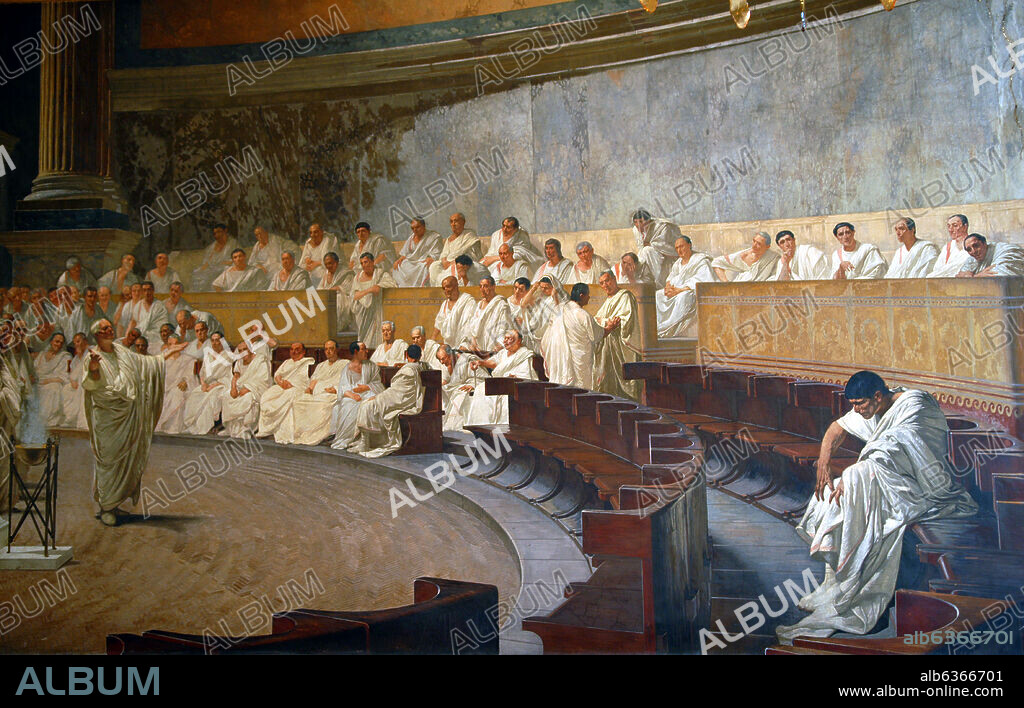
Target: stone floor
x: 269, y: 531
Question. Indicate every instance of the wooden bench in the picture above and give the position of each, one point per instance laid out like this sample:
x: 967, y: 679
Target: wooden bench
x: 428, y: 626
x: 622, y: 476
x: 768, y: 434
x: 651, y: 590
x: 924, y: 612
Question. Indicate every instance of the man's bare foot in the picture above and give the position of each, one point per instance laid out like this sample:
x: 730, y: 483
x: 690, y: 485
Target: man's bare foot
x: 108, y: 518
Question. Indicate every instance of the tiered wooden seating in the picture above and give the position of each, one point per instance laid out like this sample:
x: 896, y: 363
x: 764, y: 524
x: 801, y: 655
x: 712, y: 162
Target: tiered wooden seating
x: 439, y: 607
x: 770, y: 435
x: 924, y: 612
x: 644, y: 516
x: 644, y: 596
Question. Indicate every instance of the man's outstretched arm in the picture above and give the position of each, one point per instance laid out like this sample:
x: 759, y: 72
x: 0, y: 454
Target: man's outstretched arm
x: 834, y: 437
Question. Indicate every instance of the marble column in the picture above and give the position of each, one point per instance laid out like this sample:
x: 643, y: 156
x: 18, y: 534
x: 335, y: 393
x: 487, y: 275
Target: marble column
x: 74, y: 123
x: 75, y: 206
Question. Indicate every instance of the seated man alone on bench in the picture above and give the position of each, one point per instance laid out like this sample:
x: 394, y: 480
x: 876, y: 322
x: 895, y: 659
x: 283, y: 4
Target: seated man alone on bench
x: 855, y: 524
x: 379, y: 429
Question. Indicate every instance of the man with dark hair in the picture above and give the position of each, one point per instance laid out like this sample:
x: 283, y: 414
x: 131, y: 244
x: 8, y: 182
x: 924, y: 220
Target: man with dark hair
x: 856, y: 524
x: 654, y: 243
x: 991, y: 259
x: 366, y: 298
x: 150, y: 314
x: 518, y: 239
x: 915, y: 257
x: 953, y: 257
x: 555, y: 264
x: 240, y: 275
x: 854, y: 260
x: 377, y: 419
x: 381, y: 250
x: 631, y: 270
x: 162, y: 275
x: 571, y: 341
x: 803, y: 262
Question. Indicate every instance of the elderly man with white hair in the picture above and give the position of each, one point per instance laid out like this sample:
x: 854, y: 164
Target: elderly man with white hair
x: 290, y: 277
x: 588, y: 266
x: 456, y: 386
x: 915, y: 257
x: 654, y: 238
x: 378, y: 430
x: 677, y: 301
x: 514, y: 361
x: 76, y: 274
x: 462, y: 241
x: 123, y: 399
x: 429, y: 347
x: 751, y: 264
x: 391, y: 351
x: 991, y: 259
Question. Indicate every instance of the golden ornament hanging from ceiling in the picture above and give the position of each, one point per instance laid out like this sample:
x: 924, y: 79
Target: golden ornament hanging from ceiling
x: 649, y: 5
x: 888, y: 4
x: 740, y: 12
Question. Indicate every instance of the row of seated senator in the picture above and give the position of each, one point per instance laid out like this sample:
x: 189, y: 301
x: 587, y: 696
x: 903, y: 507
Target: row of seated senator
x: 663, y: 256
